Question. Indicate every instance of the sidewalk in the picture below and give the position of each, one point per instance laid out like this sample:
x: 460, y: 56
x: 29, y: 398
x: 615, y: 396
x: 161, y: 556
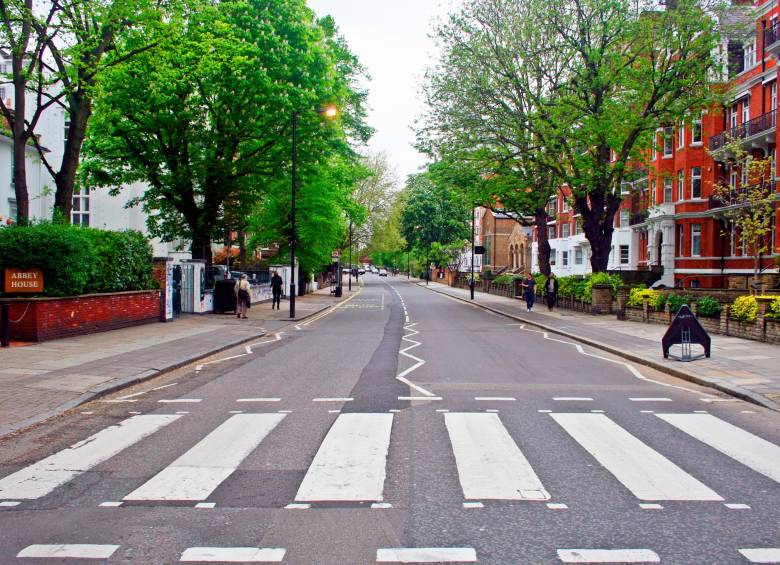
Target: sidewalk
x: 746, y: 369
x: 41, y: 380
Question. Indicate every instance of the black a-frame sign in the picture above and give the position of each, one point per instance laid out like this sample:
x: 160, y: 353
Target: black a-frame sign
x: 684, y: 330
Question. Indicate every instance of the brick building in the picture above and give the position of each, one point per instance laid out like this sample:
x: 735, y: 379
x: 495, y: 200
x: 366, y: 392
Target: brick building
x: 670, y: 217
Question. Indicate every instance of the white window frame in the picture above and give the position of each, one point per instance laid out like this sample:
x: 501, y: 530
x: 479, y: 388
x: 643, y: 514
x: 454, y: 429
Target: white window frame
x: 744, y: 173
x: 680, y: 239
x: 681, y: 135
x: 668, y: 189
x: 680, y: 185
x: 624, y: 217
x: 81, y: 212
x: 695, y: 240
x: 695, y: 182
x: 554, y: 232
x: 745, y: 110
x: 696, y: 131
x: 564, y: 258
x: 749, y: 54
x: 668, y: 142
x: 733, y: 116
x: 553, y: 253
x: 578, y: 255
x: 565, y: 230
x: 13, y: 209
x: 654, y: 146
x: 773, y: 96
x: 625, y: 254
x: 733, y: 179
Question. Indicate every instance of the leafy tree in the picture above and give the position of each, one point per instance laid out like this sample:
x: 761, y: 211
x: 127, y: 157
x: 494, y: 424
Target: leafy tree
x: 206, y: 120
x: 750, y: 210
x: 374, y: 194
x: 58, y: 52
x: 433, y: 213
x: 586, y: 83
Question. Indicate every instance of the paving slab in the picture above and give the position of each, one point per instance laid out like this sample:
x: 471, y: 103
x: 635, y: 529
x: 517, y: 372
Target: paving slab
x: 39, y: 381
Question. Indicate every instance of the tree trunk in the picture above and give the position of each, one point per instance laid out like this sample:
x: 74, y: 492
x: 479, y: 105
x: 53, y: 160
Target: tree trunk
x: 598, y: 215
x: 65, y: 179
x: 18, y: 126
x: 543, y: 244
x: 201, y: 247
x: 242, y: 249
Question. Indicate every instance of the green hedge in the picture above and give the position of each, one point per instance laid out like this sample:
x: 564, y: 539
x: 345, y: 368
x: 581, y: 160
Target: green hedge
x: 581, y: 287
x: 77, y: 260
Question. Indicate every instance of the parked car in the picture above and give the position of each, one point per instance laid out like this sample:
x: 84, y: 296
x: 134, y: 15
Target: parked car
x: 361, y: 271
x: 382, y: 272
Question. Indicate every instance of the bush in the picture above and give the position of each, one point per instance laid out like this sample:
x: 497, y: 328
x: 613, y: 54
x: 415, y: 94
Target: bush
x: 708, y: 306
x: 744, y: 308
x: 773, y: 312
x: 505, y: 279
x: 599, y: 278
x: 675, y: 301
x: 77, y: 260
x: 637, y: 295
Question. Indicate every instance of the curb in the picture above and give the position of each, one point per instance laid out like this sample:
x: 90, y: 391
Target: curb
x: 142, y: 377
x: 738, y: 392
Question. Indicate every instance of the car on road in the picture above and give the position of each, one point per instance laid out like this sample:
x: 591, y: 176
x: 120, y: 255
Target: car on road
x: 361, y: 271
x: 382, y: 272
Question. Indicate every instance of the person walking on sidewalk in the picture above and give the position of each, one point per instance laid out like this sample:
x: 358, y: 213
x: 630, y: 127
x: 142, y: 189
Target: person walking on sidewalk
x: 243, y: 298
x: 551, y: 286
x: 276, y: 291
x: 529, y: 293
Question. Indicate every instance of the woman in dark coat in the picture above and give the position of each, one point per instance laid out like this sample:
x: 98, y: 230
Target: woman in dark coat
x: 529, y: 292
x: 551, y: 287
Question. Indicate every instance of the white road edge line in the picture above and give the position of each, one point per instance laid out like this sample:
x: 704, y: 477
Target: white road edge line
x: 232, y: 555
x: 608, y: 556
x: 69, y: 551
x: 426, y: 555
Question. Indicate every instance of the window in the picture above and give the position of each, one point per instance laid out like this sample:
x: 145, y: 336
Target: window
x: 745, y: 110
x: 696, y: 182
x: 576, y: 229
x: 552, y: 256
x: 744, y: 173
x: 773, y: 96
x: 733, y: 117
x: 3, y: 68
x: 668, y: 197
x: 13, y: 209
x: 564, y: 258
x: 565, y: 230
x: 732, y: 241
x: 750, y: 53
x: 695, y: 240
x: 733, y: 179
x: 624, y: 218
x: 680, y: 239
x: 654, y: 146
x: 578, y: 255
x: 79, y: 215
x: 681, y: 136
x: 550, y: 232
x: 2, y: 93
x: 624, y: 251
x: 66, y: 127
x: 668, y: 141
x: 625, y: 187
x: 552, y: 207
x: 696, y: 130
x: 680, y: 185
x: 564, y: 205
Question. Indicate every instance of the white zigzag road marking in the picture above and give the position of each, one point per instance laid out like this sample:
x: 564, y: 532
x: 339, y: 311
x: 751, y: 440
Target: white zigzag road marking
x: 247, y: 349
x: 633, y: 370
x: 418, y: 362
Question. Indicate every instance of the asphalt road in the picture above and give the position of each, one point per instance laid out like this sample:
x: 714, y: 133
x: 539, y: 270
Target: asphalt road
x: 402, y: 426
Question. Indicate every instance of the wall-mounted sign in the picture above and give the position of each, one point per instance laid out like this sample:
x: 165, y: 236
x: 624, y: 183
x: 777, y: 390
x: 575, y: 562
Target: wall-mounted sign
x: 23, y: 280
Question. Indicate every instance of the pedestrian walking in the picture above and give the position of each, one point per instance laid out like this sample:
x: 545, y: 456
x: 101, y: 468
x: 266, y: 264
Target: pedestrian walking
x: 529, y: 293
x: 551, y: 286
x: 276, y: 291
x: 243, y: 298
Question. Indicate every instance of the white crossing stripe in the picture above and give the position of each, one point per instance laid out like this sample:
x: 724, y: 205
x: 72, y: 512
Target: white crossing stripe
x: 642, y: 470
x: 426, y: 555
x: 490, y: 465
x: 650, y: 399
x: 762, y: 554
x: 750, y: 450
x: 573, y: 398
x: 196, y: 474
x: 232, y: 555
x: 69, y: 551
x: 40, y: 478
x: 608, y: 556
x: 350, y: 463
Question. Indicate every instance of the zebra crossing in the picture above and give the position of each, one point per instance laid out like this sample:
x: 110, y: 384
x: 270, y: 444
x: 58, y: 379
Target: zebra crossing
x: 351, y: 462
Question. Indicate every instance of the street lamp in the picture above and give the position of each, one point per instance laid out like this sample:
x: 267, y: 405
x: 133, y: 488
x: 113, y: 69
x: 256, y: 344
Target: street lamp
x: 349, y: 287
x: 330, y: 112
x: 473, y: 222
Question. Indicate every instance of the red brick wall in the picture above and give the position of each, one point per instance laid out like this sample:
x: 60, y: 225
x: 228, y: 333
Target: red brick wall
x: 52, y: 318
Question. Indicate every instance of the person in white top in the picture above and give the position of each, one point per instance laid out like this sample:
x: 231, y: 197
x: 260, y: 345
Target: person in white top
x: 242, y: 297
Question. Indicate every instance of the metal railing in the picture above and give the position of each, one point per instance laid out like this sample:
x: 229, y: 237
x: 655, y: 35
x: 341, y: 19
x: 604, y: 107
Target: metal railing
x: 737, y: 195
x: 753, y: 127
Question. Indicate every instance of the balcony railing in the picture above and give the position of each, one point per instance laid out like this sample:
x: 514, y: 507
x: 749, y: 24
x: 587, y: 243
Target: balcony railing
x: 737, y: 195
x: 755, y: 126
x: 638, y: 218
x: 772, y: 34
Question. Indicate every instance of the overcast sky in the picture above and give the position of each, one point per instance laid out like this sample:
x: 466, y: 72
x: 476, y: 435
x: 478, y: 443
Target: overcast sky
x: 391, y: 40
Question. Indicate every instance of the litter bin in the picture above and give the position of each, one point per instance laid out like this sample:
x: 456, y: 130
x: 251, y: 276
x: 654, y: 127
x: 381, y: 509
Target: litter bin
x: 338, y: 291
x: 225, y: 296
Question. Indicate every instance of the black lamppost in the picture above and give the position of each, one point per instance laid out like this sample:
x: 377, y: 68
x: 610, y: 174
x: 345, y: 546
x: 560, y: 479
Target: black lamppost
x: 408, y: 265
x: 349, y: 286
x: 473, y: 223
x: 329, y: 111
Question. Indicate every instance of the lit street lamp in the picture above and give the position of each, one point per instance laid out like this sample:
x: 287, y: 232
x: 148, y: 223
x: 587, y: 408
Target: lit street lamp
x: 330, y: 112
